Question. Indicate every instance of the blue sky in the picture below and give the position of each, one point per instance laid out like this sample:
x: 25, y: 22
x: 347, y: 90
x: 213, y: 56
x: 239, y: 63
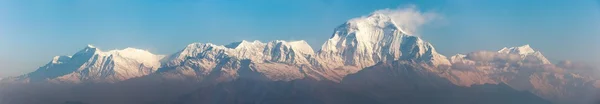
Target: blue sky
x: 33, y: 31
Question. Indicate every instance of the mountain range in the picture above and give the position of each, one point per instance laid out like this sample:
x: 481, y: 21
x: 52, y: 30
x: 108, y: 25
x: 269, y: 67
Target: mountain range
x: 368, y: 59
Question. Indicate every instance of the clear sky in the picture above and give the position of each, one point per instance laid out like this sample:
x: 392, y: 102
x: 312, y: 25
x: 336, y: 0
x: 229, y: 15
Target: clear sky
x: 33, y: 31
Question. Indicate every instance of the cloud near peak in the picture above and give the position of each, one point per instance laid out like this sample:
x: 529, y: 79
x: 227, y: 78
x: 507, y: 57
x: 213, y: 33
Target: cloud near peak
x: 409, y: 18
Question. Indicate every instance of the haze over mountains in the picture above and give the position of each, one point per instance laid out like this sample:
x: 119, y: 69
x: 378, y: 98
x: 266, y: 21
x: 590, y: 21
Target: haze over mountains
x: 369, y: 59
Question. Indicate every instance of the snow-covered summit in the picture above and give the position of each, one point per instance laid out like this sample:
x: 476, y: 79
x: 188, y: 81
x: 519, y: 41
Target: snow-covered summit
x: 92, y: 64
x: 90, y: 46
x: 129, y: 53
x: 244, y: 44
x: 521, y: 54
x: 133, y: 54
x: 365, y: 41
x: 275, y: 51
x: 274, y: 60
x: 526, y: 52
x: 300, y: 46
x: 525, y: 49
x: 375, y: 20
x: 89, y: 49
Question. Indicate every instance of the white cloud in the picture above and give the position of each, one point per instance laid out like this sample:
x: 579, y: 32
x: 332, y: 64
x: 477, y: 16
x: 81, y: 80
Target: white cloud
x: 409, y: 18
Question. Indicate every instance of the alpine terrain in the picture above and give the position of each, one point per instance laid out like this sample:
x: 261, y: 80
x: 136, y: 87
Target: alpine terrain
x: 368, y: 59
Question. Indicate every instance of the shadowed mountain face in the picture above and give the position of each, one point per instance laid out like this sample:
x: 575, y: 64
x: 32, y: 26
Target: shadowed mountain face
x: 381, y: 84
x: 406, y: 81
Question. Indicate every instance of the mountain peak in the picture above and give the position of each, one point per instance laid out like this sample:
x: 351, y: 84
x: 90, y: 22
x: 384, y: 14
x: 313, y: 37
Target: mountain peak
x: 375, y: 38
x: 302, y: 45
x: 525, y: 46
x: 194, y: 46
x: 90, y: 46
x: 379, y: 16
x: 247, y: 44
x: 375, y: 20
x: 129, y: 52
x: 525, y: 49
x: 526, y: 52
x: 243, y: 43
x: 298, y: 46
x: 89, y: 49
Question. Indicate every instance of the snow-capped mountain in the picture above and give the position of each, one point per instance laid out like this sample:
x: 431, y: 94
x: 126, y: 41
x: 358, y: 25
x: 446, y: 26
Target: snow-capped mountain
x: 360, y: 47
x: 365, y: 41
x: 275, y: 60
x: 527, y: 53
x: 522, y: 68
x: 359, y: 43
x: 93, y: 65
x: 521, y: 54
x: 294, y: 52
